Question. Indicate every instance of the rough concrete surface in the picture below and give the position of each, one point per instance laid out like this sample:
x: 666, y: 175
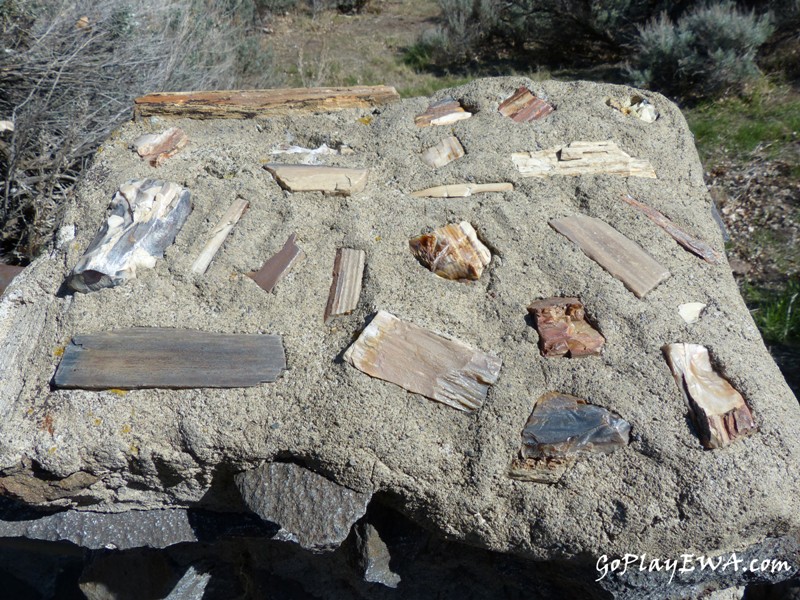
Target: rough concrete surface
x: 663, y: 494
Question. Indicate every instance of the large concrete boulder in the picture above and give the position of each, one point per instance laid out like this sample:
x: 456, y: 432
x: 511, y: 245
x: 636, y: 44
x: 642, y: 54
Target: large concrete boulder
x: 662, y: 494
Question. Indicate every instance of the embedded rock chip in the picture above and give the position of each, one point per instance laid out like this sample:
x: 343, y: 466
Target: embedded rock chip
x: 563, y: 330
x: 311, y: 510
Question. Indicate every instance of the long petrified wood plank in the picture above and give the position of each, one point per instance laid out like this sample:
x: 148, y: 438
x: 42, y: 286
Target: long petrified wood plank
x: 339, y: 181
x: 146, y: 215
x: 348, y: 269
x: 244, y: 104
x: 563, y: 330
x: 424, y: 362
x: 218, y: 235
x: 694, y: 245
x: 582, y: 158
x: 276, y: 266
x: 719, y: 412
x: 618, y: 255
x: 146, y: 357
x: 462, y: 190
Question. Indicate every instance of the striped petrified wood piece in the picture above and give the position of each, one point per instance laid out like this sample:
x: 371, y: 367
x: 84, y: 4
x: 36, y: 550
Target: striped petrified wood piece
x: 245, y: 104
x: 154, y: 357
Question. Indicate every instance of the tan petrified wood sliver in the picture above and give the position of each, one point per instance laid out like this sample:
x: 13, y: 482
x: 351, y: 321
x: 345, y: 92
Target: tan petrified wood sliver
x: 618, y: 255
x: 582, y: 158
x: 218, y: 235
x: 339, y: 181
x: 424, y: 362
x: 245, y: 104
x: 348, y: 269
x: 719, y: 412
x: 462, y: 190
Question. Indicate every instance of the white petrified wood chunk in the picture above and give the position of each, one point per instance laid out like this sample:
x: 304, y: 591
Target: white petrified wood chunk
x: 691, y: 311
x: 146, y: 215
x: 443, y: 153
x: 424, y: 362
x: 340, y: 181
x: 462, y: 190
x: 348, y: 269
x: 582, y: 158
x: 719, y: 412
x: 218, y: 235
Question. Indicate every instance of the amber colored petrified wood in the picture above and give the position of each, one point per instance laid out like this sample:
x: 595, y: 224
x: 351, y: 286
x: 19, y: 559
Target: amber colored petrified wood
x: 452, y: 252
x: 145, y: 217
x: 153, y: 357
x: 244, y: 104
x: 462, y: 190
x: 339, y: 181
x: 582, y: 158
x: 7, y: 273
x: 348, y: 269
x: 718, y: 411
x: 563, y: 330
x: 692, y: 244
x: 618, y: 255
x: 443, y: 153
x: 268, y: 276
x: 156, y: 148
x: 443, y: 112
x: 424, y: 362
x: 522, y: 106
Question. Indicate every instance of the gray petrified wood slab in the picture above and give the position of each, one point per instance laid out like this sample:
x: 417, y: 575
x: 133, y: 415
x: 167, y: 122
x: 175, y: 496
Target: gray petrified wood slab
x: 145, y: 357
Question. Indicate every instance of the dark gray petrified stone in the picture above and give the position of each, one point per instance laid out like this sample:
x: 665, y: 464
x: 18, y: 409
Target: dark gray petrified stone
x: 310, y: 509
x: 374, y: 557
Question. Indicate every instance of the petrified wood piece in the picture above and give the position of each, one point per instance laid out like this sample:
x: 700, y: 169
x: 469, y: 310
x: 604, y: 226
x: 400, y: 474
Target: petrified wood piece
x: 637, y: 106
x: 618, y: 255
x: 563, y: 330
x: 218, y: 235
x: 339, y: 181
x: 274, y: 269
x: 444, y: 112
x: 146, y: 215
x: 691, y: 311
x: 522, y: 106
x: 691, y: 243
x: 424, y: 362
x: 453, y: 251
x: 246, y: 104
x: 582, y: 158
x: 7, y: 273
x: 348, y: 269
x: 156, y: 148
x: 153, y: 357
x: 718, y: 411
x: 310, y: 509
x: 462, y: 190
x: 443, y: 153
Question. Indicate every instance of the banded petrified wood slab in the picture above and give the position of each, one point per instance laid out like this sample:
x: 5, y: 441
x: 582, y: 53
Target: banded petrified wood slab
x: 582, y: 158
x: 719, y: 412
x: 522, y: 106
x: 244, y: 104
x: 424, y: 362
x: 618, y: 255
x: 443, y: 112
x: 348, y: 269
x: 339, y: 181
x: 153, y: 357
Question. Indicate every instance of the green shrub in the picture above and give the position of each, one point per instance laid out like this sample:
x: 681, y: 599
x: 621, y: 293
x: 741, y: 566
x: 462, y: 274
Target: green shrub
x: 709, y: 52
x: 777, y: 313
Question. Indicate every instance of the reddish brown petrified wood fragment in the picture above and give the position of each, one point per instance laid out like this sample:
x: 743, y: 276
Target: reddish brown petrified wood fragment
x: 522, y: 106
x: 268, y: 276
x: 563, y: 330
x: 444, y: 112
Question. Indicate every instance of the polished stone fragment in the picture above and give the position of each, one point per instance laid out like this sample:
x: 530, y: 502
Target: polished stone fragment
x: 146, y: 215
x: 424, y: 362
x: 563, y: 330
x: 278, y: 265
x: 618, y: 255
x: 156, y: 357
x: 522, y: 106
x: 462, y: 190
x: 718, y: 411
x: 338, y: 181
x: 443, y: 112
x: 691, y: 243
x: 452, y: 252
x: 156, y: 148
x: 582, y: 158
x: 348, y: 269
x: 443, y: 153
